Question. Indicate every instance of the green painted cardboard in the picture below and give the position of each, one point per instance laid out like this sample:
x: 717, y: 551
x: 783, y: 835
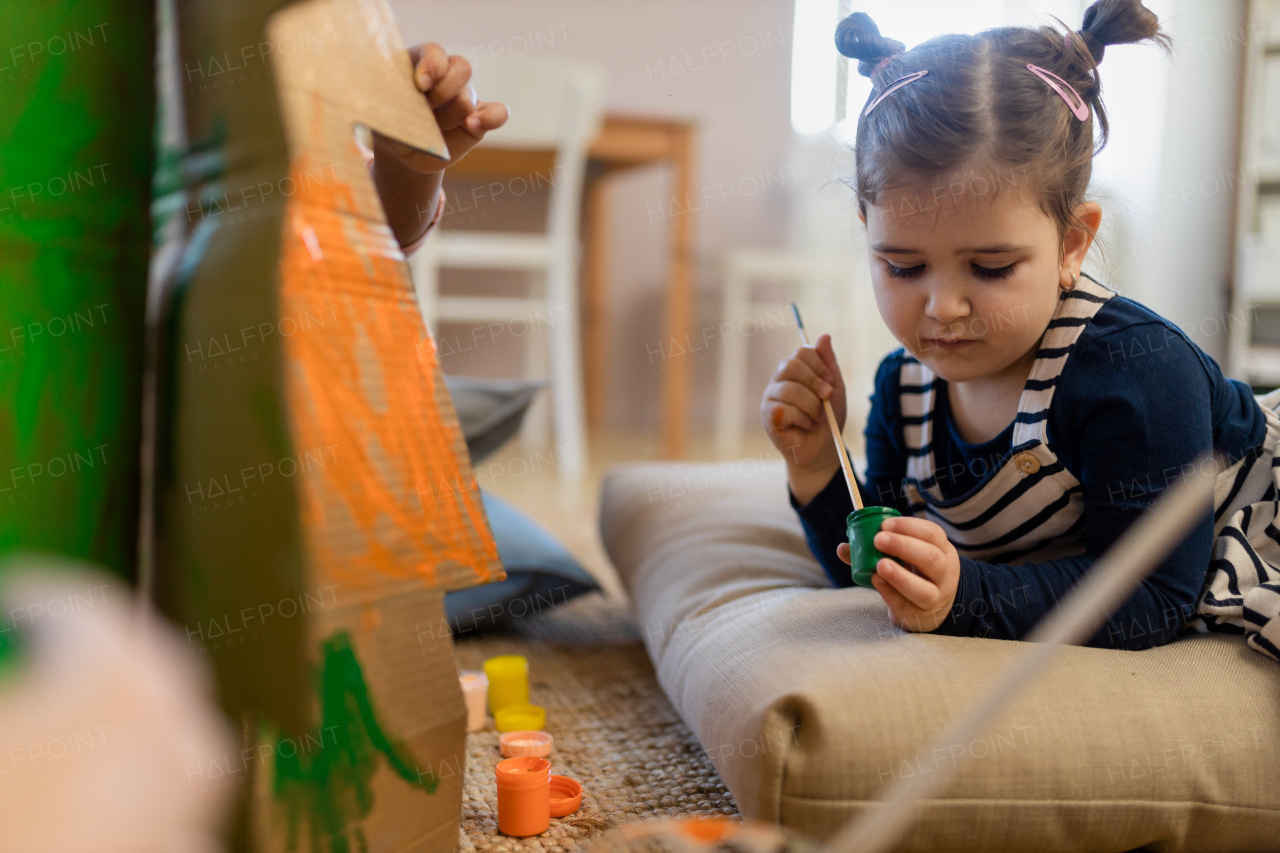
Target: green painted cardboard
x: 76, y: 108
x: 281, y: 419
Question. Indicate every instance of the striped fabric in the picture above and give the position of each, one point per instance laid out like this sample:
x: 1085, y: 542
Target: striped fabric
x: 1242, y: 591
x: 1031, y: 508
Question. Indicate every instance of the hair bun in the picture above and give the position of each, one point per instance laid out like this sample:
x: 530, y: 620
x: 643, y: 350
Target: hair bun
x: 858, y: 37
x: 1119, y: 22
x: 1093, y: 43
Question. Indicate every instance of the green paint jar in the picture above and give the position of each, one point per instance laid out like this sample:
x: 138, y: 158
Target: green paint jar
x: 863, y: 525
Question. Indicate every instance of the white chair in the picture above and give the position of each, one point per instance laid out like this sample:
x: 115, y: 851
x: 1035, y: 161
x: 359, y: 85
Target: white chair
x: 824, y: 270
x: 554, y: 104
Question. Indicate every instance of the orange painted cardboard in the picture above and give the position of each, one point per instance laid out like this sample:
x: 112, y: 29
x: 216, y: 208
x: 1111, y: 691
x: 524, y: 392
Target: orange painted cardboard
x: 302, y: 535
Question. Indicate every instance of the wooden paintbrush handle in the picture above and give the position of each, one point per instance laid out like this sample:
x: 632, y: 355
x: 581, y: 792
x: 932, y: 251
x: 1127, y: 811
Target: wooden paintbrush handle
x: 849, y: 479
x: 844, y: 457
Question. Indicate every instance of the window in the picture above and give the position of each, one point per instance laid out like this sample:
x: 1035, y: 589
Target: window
x: 827, y: 90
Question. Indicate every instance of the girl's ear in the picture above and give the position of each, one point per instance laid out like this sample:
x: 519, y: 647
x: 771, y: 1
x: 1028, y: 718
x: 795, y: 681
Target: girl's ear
x: 1076, y: 242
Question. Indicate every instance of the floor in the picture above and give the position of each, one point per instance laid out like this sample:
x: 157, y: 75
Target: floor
x: 615, y: 730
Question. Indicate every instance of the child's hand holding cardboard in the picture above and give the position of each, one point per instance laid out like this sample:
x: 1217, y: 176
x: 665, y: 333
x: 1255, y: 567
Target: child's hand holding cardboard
x: 445, y: 81
x: 408, y: 180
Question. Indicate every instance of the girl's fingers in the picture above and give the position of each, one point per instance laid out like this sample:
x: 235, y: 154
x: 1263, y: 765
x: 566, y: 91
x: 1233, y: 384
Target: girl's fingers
x: 814, y: 362
x: 898, y: 605
x: 920, y: 592
x: 487, y: 116
x: 842, y: 551
x: 799, y: 370
x: 462, y: 138
x: 446, y: 86
x: 918, y: 528
x: 827, y: 354
x: 430, y: 63
x: 454, y: 111
x: 784, y: 415
x: 797, y: 395
x: 919, y: 553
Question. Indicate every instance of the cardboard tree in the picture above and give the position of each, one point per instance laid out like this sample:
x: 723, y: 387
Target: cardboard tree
x: 302, y: 419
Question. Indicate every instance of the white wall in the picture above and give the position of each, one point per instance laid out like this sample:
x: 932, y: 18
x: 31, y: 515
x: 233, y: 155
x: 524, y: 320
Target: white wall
x: 1168, y: 175
x: 1199, y: 170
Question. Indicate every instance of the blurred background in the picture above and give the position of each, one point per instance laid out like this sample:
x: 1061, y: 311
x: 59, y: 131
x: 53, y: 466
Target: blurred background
x: 751, y: 212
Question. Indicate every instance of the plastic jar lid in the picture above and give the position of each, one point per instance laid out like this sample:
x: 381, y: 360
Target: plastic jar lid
x: 526, y: 742
x: 514, y: 718
x: 566, y: 795
x: 522, y: 773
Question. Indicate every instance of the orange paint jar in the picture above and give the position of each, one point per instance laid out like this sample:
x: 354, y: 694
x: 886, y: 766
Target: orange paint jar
x: 524, y: 795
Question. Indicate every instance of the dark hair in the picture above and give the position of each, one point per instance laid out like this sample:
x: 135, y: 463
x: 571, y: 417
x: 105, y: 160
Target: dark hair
x: 979, y: 105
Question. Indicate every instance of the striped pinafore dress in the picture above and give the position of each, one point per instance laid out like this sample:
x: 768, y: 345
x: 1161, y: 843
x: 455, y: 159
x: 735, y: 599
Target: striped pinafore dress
x: 1030, y: 507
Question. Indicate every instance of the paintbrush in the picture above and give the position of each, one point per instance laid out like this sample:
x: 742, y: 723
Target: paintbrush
x: 835, y: 428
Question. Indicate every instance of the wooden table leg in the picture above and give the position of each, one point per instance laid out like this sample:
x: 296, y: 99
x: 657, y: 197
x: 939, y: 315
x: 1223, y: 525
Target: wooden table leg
x: 675, y: 386
x: 594, y: 252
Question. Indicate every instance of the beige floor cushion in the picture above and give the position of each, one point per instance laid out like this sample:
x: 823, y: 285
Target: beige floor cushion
x: 809, y: 701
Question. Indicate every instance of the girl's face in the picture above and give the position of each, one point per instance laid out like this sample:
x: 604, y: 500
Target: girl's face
x: 967, y: 283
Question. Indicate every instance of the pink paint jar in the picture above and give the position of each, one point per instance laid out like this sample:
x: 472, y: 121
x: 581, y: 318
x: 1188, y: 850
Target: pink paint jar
x: 475, y: 689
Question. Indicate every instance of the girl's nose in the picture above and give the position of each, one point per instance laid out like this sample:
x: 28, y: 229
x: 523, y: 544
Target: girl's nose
x: 947, y: 304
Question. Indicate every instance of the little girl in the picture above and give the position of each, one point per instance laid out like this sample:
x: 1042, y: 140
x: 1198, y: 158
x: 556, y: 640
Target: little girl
x: 1031, y: 413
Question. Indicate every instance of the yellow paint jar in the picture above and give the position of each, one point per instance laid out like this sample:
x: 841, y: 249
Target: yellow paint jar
x: 508, y: 681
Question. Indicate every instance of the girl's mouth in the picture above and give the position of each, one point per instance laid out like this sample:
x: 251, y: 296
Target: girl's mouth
x: 950, y: 343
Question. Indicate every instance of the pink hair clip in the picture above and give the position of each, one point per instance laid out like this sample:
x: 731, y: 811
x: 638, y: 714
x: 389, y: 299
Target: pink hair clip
x: 893, y: 87
x: 1079, y: 109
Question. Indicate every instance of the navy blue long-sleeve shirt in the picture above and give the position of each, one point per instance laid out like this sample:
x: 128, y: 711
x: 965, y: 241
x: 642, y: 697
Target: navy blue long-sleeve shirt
x: 1136, y: 401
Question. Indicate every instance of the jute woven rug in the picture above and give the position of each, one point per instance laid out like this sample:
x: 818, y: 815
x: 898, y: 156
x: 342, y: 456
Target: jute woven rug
x: 614, y: 729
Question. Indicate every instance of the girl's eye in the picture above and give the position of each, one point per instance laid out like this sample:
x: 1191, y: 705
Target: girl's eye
x: 902, y: 272
x: 980, y: 271
x: 993, y: 272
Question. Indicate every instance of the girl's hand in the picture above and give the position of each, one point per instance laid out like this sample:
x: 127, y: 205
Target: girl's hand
x: 795, y: 420
x: 919, y: 597
x: 445, y: 82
